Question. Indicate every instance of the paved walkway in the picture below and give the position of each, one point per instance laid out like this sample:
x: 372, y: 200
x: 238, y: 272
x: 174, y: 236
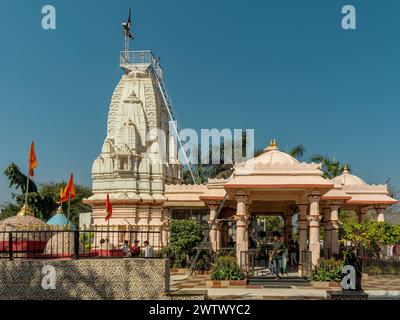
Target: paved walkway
x: 387, y: 287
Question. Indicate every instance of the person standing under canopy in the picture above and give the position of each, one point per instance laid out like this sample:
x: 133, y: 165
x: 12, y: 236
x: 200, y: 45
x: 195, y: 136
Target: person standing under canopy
x: 279, y: 249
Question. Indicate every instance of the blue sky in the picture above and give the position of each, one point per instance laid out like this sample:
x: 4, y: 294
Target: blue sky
x: 285, y: 68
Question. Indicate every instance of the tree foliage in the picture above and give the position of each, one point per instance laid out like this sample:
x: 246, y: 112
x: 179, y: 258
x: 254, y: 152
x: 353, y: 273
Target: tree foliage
x: 184, y: 237
x: 330, y: 167
x: 43, y: 199
x: 371, y: 234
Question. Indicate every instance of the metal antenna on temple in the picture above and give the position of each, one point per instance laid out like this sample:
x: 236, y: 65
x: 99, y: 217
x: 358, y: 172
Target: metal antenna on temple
x: 127, y: 30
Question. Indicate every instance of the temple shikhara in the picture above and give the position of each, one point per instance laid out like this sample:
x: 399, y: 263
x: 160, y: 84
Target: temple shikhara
x: 148, y: 194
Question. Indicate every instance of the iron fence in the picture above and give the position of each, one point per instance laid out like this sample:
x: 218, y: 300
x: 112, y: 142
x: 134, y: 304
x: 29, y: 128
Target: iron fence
x: 69, y: 244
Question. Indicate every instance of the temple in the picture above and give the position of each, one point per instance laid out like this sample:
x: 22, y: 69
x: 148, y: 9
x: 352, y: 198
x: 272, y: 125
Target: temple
x: 149, y: 194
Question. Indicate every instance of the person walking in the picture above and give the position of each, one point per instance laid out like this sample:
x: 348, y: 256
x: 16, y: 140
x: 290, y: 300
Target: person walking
x: 125, y: 248
x: 279, y: 248
x: 285, y: 258
x: 293, y: 253
x: 148, y: 250
x: 135, y: 249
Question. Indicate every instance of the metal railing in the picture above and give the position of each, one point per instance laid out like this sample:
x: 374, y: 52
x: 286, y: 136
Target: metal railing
x: 145, y: 57
x: 56, y: 244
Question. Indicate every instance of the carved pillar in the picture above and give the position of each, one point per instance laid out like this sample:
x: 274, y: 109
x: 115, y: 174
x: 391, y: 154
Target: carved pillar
x: 335, y: 228
x: 242, y: 236
x: 218, y: 235
x: 303, y: 226
x: 314, y: 219
x: 213, y: 232
x: 288, y: 226
x: 361, y: 216
x: 327, y: 233
x: 165, y: 226
x: 381, y: 214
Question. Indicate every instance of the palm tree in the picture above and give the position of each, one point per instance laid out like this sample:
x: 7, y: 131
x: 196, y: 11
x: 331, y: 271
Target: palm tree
x: 330, y: 167
x: 297, y: 151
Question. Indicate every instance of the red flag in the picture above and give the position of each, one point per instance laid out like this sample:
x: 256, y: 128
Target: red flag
x: 69, y: 192
x: 108, y: 208
x: 32, y: 160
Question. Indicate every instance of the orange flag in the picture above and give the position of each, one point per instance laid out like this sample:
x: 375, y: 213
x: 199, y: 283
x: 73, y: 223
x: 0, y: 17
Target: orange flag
x: 32, y: 160
x: 69, y: 191
x: 108, y: 208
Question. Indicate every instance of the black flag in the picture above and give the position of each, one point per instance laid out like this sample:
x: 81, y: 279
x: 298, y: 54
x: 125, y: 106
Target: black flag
x: 127, y: 26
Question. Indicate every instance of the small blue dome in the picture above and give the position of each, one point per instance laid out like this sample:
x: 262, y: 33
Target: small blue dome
x: 59, y: 219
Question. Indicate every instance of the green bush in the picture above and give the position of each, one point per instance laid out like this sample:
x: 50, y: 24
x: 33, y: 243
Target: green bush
x: 328, y: 270
x: 185, y: 237
x: 226, y: 268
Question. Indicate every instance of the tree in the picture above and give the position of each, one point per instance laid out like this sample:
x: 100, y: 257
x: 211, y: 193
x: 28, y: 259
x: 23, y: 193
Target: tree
x: 185, y: 236
x: 297, y: 151
x: 371, y: 234
x: 331, y: 168
x: 43, y: 199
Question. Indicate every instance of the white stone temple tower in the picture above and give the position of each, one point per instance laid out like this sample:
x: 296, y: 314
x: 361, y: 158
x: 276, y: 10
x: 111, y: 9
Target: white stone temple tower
x: 139, y: 154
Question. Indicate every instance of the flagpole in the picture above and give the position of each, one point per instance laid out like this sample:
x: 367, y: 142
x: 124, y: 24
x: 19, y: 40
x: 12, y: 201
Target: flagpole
x: 69, y: 202
x: 27, y: 188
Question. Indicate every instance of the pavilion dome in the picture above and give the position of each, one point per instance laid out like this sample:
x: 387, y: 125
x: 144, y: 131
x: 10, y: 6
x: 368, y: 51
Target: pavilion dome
x: 60, y: 220
x: 347, y: 179
x: 273, y: 156
x: 23, y: 220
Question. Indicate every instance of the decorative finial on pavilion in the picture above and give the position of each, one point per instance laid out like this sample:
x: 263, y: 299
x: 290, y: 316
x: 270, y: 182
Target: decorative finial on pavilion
x: 60, y: 210
x: 273, y: 145
x: 346, y: 169
x: 25, y: 211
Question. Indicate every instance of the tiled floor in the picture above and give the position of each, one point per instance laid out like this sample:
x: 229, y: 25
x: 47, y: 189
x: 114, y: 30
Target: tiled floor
x: 384, y: 286
x: 388, y: 283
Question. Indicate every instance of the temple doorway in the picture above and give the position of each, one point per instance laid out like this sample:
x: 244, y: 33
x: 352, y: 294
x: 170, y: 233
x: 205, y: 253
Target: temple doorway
x: 262, y: 229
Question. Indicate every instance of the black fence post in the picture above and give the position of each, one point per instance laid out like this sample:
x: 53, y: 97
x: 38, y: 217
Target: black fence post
x: 76, y: 244
x: 10, y: 246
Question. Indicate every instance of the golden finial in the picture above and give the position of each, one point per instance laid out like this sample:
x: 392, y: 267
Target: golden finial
x: 25, y: 211
x: 345, y: 169
x: 273, y: 145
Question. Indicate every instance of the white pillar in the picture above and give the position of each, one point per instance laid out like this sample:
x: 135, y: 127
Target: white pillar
x: 327, y: 232
x: 218, y: 235
x: 165, y: 226
x: 314, y: 219
x: 303, y: 226
x: 242, y: 223
x: 335, y: 228
x: 381, y: 214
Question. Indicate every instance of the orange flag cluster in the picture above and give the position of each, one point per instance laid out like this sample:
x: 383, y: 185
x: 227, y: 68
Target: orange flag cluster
x: 69, y: 192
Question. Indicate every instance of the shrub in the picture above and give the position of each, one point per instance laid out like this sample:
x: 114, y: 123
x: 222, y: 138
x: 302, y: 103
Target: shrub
x: 226, y: 268
x: 328, y: 270
x: 185, y: 236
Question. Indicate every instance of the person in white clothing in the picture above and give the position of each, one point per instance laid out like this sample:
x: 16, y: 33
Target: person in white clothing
x: 148, y: 250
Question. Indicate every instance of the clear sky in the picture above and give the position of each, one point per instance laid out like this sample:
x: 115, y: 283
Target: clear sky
x: 285, y: 68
